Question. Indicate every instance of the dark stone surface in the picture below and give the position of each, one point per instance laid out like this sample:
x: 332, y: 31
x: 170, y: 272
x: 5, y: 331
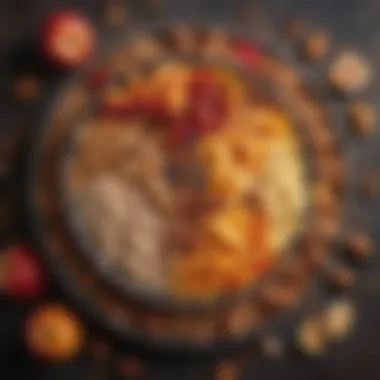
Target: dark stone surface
x: 353, y: 22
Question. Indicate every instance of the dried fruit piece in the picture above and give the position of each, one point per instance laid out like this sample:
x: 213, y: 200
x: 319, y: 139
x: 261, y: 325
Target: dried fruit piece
x: 311, y: 337
x: 228, y: 370
x: 339, y: 318
x: 67, y: 39
x: 21, y: 273
x: 316, y: 46
x: 359, y: 246
x: 131, y: 368
x: 26, y: 87
x: 363, y: 118
x: 350, y: 72
x: 54, y: 333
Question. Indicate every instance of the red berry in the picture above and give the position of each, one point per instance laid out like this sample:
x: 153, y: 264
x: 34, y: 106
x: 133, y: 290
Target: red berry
x: 22, y: 274
x: 67, y: 39
x: 247, y: 53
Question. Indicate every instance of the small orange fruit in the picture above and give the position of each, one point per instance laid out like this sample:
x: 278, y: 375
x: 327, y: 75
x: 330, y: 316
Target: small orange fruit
x: 53, y: 333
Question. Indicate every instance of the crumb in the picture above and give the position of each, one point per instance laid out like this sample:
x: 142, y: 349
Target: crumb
x: 311, y: 337
x: 26, y: 88
x: 350, y: 72
x: 228, y: 370
x: 131, y: 368
x: 339, y: 318
x: 316, y: 46
x: 359, y: 245
x: 363, y: 118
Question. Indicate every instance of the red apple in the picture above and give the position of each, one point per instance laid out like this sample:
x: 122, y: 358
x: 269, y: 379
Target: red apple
x: 67, y: 39
x: 21, y: 273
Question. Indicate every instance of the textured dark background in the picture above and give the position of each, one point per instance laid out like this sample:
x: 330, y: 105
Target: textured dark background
x: 353, y: 22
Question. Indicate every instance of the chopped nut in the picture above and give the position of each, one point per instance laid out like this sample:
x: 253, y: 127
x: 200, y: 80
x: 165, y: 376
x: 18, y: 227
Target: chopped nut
x: 339, y: 318
x: 359, y: 246
x: 341, y: 278
x: 363, y: 118
x: 350, y: 72
x: 316, y: 46
x: 26, y: 87
x: 311, y: 337
x: 272, y: 347
x: 227, y: 371
x: 131, y: 368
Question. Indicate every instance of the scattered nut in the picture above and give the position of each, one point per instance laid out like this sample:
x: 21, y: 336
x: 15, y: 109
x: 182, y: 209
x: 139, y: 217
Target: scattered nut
x: 227, y: 371
x: 359, y: 246
x: 341, y: 278
x: 131, y: 368
x: 363, y: 118
x: 272, y: 347
x: 311, y: 337
x: 316, y: 46
x: 350, y: 72
x: 26, y: 88
x: 339, y: 318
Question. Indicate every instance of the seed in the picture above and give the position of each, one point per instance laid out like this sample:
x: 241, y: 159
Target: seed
x: 363, y: 118
x: 350, y: 72
x: 310, y: 336
x: 26, y: 88
x: 228, y: 370
x: 359, y: 246
x: 316, y: 46
x: 339, y: 318
x: 131, y: 368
